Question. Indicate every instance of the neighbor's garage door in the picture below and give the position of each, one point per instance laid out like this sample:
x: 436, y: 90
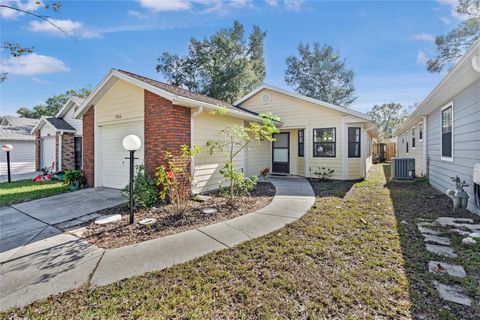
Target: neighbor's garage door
x: 22, y: 157
x: 115, y: 168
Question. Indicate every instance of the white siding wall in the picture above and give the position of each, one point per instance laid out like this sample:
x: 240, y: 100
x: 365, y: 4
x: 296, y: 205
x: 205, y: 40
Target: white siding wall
x: 206, y: 127
x: 124, y: 102
x: 22, y: 157
x: 416, y: 152
x: 77, y: 124
x: 466, y: 143
x: 257, y: 157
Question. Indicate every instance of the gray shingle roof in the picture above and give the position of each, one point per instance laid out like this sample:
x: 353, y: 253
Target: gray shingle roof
x: 16, y: 133
x: 18, y: 121
x: 185, y: 93
x: 60, y: 124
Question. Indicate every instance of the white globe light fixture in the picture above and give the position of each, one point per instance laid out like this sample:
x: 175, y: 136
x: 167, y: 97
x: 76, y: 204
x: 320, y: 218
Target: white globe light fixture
x: 131, y: 143
x: 7, y: 148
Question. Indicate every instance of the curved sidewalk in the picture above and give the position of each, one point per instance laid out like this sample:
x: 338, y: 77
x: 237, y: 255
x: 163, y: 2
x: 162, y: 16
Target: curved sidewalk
x: 65, y: 262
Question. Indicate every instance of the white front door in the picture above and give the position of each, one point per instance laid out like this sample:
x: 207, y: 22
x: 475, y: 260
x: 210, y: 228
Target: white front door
x: 115, y: 168
x: 48, y: 151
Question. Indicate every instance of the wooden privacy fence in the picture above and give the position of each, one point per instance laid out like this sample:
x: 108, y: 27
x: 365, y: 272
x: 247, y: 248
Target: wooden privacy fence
x: 384, y: 151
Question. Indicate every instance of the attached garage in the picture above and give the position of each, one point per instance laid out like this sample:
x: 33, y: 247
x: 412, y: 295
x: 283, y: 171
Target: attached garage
x: 114, y: 172
x: 22, y: 157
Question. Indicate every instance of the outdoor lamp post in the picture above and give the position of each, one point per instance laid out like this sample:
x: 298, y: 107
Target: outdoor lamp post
x: 131, y: 143
x: 7, y: 148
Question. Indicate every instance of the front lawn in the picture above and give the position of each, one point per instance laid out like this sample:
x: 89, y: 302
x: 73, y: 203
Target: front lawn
x: 26, y: 190
x: 356, y: 255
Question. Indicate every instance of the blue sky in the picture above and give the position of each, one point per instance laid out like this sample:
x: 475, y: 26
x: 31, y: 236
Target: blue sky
x: 386, y: 43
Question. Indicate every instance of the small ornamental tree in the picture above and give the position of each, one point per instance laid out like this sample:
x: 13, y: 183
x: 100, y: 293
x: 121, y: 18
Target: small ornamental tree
x: 237, y: 138
x: 171, y: 175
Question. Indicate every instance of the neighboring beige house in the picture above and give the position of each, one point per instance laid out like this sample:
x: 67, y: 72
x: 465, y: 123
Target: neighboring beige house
x: 443, y: 133
x: 16, y: 131
x: 58, y: 140
x: 313, y: 133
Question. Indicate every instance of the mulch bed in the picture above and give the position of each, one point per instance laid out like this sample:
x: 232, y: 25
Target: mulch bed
x: 119, y: 234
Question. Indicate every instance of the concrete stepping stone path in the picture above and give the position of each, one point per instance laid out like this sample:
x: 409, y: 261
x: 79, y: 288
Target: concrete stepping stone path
x: 453, y: 270
x: 441, y: 250
x: 452, y: 293
x: 436, y: 239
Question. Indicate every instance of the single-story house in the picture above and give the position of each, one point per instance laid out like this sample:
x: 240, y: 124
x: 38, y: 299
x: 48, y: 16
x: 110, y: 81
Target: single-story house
x: 17, y: 132
x: 58, y: 140
x: 313, y: 133
x: 443, y: 132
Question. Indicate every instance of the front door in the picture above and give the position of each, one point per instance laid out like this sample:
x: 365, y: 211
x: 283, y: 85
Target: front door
x: 281, y: 153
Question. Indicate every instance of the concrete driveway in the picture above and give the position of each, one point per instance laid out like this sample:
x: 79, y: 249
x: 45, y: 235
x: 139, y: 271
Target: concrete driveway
x: 36, y: 220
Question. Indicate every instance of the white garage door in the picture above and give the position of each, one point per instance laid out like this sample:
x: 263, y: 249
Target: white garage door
x: 22, y: 157
x: 115, y: 168
x: 48, y: 151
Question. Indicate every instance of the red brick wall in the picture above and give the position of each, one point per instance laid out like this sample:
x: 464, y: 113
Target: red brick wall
x: 38, y: 151
x: 167, y: 127
x: 68, y: 151
x: 88, y: 146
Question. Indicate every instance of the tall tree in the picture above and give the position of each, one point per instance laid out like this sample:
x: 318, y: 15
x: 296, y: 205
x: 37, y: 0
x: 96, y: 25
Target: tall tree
x: 224, y: 66
x: 452, y: 46
x: 53, y: 104
x: 386, y: 118
x: 318, y: 72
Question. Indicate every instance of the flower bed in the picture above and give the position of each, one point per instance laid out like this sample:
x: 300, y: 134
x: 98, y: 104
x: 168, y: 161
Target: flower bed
x: 121, y: 233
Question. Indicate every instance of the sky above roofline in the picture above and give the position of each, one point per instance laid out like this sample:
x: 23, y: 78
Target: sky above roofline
x: 386, y: 43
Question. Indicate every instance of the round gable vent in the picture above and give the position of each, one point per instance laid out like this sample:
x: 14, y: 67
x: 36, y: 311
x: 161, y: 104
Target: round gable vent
x: 266, y: 98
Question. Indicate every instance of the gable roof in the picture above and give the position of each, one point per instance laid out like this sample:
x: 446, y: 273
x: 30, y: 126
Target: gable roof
x: 304, y: 98
x: 18, y: 121
x: 463, y: 74
x: 56, y: 123
x: 177, y: 95
x: 72, y: 102
x: 16, y: 133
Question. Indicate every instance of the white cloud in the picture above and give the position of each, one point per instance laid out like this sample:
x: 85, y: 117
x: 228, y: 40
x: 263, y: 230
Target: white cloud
x: 424, y: 37
x: 446, y: 20
x: 422, y: 57
x: 240, y: 3
x: 70, y: 27
x: 33, y: 64
x: 453, y: 9
x: 272, y: 3
x: 29, y: 5
x: 293, y: 5
x: 137, y: 14
x: 165, y: 5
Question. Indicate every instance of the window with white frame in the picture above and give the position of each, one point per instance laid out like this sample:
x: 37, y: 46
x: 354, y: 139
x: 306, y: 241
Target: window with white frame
x: 324, y: 142
x: 447, y: 128
x: 420, y: 131
x: 413, y: 138
x: 354, y: 142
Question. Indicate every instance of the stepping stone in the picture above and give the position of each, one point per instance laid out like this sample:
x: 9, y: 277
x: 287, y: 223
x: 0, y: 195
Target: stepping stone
x: 461, y: 223
x: 425, y: 230
x: 474, y: 235
x: 428, y: 224
x: 109, y: 219
x: 450, y: 269
x: 441, y: 250
x: 469, y: 241
x: 147, y: 221
x: 452, y: 293
x: 436, y: 239
x: 209, y: 210
x: 460, y: 232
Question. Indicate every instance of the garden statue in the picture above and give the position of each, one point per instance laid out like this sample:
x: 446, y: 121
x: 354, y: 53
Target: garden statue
x: 458, y: 196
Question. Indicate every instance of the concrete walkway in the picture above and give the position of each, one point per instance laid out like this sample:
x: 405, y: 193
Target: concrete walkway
x: 63, y: 262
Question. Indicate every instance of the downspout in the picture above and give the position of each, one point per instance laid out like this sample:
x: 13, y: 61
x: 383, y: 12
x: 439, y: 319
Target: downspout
x: 192, y: 136
x: 60, y: 142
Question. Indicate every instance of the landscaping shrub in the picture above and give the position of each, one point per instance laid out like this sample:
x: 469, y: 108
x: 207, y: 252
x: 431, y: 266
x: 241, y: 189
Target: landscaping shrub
x: 323, y: 173
x: 144, y: 188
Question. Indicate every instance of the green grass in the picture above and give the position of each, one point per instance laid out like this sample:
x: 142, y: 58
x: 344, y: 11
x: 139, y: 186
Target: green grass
x: 26, y: 190
x: 350, y: 257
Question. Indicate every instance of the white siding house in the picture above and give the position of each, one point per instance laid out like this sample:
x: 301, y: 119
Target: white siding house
x: 450, y: 117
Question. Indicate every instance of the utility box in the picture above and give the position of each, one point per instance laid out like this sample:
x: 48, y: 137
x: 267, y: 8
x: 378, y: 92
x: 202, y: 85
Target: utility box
x: 403, y: 168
